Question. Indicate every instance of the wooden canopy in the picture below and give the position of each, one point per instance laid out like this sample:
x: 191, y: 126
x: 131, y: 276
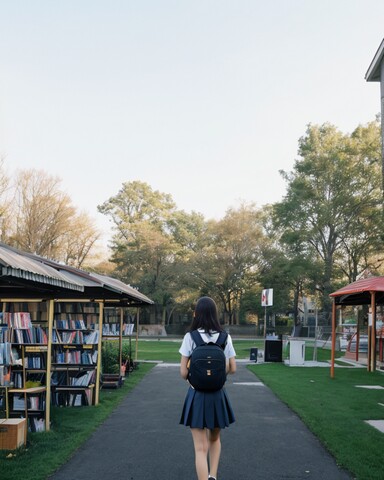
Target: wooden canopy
x: 366, y: 291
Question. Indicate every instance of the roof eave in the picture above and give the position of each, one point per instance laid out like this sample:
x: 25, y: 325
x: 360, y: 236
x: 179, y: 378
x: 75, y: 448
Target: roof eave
x: 374, y: 71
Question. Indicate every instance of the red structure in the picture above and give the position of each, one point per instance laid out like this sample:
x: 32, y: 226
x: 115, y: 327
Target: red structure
x: 367, y: 291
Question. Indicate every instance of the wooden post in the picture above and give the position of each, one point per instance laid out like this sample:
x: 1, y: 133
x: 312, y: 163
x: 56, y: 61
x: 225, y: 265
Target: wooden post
x: 121, y: 339
x: 50, y: 314
x: 98, y: 370
x: 373, y: 333
x: 333, y: 338
x: 137, y: 332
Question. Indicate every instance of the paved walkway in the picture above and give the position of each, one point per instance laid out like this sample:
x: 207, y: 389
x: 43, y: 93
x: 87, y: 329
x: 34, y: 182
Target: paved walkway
x: 142, y: 439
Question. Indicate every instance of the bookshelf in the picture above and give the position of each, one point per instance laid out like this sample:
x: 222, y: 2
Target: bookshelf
x: 24, y: 362
x: 76, y: 353
x: 5, y: 364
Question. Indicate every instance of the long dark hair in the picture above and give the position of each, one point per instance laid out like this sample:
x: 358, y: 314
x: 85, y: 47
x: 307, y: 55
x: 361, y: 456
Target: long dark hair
x: 206, y: 316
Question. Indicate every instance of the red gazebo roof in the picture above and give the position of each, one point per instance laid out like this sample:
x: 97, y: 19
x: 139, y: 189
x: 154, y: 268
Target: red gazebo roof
x: 371, y: 284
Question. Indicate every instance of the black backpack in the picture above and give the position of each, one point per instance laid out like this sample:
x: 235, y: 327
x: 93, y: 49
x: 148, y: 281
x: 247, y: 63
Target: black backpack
x: 207, y: 368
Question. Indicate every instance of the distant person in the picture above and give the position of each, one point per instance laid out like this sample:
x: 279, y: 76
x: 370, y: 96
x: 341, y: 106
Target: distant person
x: 206, y: 413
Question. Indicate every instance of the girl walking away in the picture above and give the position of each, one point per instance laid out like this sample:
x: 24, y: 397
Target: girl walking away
x: 206, y: 410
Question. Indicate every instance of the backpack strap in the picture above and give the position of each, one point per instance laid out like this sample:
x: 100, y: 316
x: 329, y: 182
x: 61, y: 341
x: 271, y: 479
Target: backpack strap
x: 222, y: 340
x: 196, y: 337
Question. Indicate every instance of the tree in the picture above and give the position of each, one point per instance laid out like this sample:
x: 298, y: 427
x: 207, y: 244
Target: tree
x: 228, y: 263
x: 145, y: 246
x: 46, y: 223
x: 78, y: 242
x: 331, y: 190
x: 5, y: 203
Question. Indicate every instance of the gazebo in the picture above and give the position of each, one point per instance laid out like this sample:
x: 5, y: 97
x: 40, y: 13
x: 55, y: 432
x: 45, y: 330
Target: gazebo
x: 366, y: 291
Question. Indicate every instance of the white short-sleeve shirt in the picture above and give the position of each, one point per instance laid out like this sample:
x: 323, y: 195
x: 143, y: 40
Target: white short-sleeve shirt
x: 189, y: 345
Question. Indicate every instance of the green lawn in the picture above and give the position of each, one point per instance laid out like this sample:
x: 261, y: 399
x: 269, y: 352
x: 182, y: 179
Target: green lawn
x: 71, y: 426
x: 335, y: 410
x: 168, y: 350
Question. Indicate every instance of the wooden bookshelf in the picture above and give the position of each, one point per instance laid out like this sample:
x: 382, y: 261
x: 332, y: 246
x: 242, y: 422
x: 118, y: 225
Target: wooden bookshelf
x: 25, y: 389
x: 76, y: 353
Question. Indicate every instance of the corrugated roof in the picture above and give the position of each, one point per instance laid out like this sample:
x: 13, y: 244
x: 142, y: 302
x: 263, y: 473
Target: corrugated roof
x: 15, y: 264
x: 35, y: 268
x: 123, y: 287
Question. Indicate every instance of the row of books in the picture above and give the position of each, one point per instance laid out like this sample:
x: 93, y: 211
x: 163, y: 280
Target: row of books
x: 68, y: 324
x: 31, y: 402
x: 67, y: 399
x: 76, y: 357
x: 36, y: 361
x: 78, y: 337
x: 5, y: 333
x: 17, y: 379
x: 62, y: 378
x: 85, y: 379
x: 5, y: 353
x: 77, y: 308
x: 30, y: 335
x: 114, y: 329
x: 4, y: 376
x: 17, y: 319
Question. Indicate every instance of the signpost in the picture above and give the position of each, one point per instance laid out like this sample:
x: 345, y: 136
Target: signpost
x: 266, y: 301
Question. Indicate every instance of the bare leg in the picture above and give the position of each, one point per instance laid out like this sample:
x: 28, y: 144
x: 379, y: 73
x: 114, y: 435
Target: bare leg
x: 214, y: 450
x: 200, y: 442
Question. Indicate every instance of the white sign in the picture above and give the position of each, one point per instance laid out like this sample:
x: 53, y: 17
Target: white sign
x: 267, y: 297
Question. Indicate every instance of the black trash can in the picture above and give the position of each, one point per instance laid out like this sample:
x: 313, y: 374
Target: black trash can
x: 253, y: 354
x: 273, y: 351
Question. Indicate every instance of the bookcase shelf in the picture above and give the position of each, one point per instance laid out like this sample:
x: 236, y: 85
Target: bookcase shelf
x: 76, y: 354
x: 23, y: 365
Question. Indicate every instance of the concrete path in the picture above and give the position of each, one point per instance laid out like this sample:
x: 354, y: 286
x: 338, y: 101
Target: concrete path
x: 143, y: 440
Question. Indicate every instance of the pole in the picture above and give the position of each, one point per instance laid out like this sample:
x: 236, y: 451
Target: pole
x: 373, y: 333
x: 98, y: 368
x: 137, y: 332
x: 315, y: 346
x: 121, y: 337
x: 333, y: 338
x: 50, y: 314
x: 265, y: 322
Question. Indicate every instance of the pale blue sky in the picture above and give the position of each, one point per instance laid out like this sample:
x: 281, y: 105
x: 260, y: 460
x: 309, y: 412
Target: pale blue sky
x: 203, y: 99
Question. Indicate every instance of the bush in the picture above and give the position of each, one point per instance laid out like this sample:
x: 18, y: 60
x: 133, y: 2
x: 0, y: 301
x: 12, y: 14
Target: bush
x: 110, y: 357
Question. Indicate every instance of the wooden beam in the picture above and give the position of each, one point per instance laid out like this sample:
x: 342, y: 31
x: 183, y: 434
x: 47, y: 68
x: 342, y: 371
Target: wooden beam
x: 98, y: 368
x: 50, y: 311
x: 373, y: 333
x: 333, y: 339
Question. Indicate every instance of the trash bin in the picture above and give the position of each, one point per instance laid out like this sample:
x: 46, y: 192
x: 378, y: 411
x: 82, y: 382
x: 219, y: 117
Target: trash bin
x: 296, y: 352
x: 253, y: 354
x: 273, y: 351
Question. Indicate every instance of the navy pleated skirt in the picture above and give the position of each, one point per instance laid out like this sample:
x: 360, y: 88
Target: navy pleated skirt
x: 207, y: 409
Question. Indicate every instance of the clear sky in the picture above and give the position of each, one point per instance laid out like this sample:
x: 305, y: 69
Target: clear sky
x: 202, y: 99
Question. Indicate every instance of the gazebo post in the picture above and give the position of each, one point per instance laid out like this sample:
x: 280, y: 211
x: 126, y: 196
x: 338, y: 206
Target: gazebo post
x: 373, y: 334
x: 357, y: 341
x: 333, y: 338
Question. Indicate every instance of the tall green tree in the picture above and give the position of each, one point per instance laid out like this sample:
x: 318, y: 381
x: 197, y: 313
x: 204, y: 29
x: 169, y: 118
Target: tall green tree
x: 152, y: 242
x: 331, y: 192
x: 228, y: 263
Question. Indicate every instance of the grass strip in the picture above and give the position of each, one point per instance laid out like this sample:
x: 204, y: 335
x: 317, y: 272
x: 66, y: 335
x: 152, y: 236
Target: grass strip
x: 168, y: 350
x: 335, y: 410
x: 70, y: 428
